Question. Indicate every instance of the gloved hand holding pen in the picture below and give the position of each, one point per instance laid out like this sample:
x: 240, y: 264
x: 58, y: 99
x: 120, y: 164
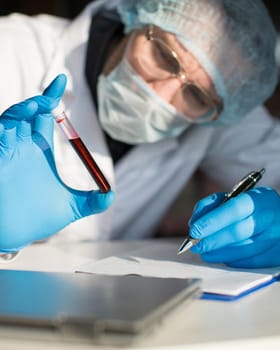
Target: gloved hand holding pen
x: 33, y: 200
x: 243, y: 232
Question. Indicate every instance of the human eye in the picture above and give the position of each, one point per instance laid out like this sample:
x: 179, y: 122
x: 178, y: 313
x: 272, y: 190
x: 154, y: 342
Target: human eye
x: 194, y: 95
x: 164, y: 58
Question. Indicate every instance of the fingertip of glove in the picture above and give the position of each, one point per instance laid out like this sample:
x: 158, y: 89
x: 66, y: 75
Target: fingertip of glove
x: 62, y: 78
x: 56, y: 87
x: 32, y: 106
x: 60, y: 82
x: 104, y: 200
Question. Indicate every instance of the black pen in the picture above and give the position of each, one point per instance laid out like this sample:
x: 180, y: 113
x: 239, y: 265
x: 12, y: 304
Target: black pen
x: 243, y: 185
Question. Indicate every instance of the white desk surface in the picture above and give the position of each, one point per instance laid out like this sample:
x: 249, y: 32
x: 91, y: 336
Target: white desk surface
x: 252, y: 322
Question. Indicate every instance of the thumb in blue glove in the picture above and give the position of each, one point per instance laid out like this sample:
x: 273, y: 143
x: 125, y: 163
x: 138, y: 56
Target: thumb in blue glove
x: 34, y: 202
x: 243, y: 232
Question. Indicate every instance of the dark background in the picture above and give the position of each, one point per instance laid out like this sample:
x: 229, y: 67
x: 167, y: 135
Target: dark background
x: 70, y: 8
x: 65, y: 8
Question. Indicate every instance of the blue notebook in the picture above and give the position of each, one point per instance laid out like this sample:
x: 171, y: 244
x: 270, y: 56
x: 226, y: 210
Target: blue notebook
x: 219, y: 282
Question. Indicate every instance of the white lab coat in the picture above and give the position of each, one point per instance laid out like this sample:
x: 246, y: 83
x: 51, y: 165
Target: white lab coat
x: 148, y: 179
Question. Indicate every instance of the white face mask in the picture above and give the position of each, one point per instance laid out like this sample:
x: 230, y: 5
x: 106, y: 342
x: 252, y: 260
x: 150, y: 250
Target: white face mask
x: 131, y: 112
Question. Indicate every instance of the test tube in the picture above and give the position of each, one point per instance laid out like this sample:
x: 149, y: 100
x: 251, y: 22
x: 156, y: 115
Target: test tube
x: 80, y: 148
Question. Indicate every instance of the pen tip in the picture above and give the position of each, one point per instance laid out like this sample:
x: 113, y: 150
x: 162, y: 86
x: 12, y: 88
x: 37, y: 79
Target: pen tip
x: 185, y: 247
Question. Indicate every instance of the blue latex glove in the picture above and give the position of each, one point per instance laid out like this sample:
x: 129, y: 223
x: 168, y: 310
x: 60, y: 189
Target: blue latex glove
x: 243, y: 232
x: 33, y: 200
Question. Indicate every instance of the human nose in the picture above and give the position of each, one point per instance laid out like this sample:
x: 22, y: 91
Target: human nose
x: 166, y: 88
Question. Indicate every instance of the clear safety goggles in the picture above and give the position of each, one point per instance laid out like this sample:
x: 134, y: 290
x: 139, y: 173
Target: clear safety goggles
x: 160, y: 62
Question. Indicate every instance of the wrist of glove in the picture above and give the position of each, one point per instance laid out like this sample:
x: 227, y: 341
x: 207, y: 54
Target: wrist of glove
x: 34, y: 202
x: 242, y: 232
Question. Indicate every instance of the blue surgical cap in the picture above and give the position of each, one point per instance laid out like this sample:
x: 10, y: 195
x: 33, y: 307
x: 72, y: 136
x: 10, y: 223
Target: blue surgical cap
x: 233, y: 40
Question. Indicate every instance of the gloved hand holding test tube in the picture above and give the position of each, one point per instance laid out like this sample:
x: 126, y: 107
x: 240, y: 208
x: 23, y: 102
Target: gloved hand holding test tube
x: 80, y: 148
x: 30, y: 185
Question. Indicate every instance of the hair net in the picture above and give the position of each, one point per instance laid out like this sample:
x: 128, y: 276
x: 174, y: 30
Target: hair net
x: 233, y: 40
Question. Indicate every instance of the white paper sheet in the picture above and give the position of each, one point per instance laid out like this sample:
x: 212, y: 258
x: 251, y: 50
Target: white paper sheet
x: 47, y: 258
x: 162, y: 261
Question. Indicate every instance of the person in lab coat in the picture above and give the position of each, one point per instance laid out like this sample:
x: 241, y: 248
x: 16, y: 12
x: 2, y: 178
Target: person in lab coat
x: 155, y: 88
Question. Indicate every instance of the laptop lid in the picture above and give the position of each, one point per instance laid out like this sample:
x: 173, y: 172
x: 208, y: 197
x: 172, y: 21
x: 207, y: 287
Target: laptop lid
x: 89, y: 305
